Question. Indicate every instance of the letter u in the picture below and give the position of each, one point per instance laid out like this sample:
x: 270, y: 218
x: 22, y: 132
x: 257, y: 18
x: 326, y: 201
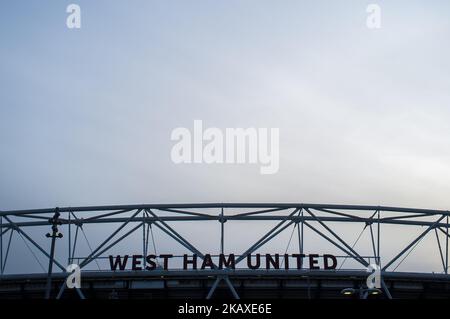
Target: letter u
x: 249, y: 261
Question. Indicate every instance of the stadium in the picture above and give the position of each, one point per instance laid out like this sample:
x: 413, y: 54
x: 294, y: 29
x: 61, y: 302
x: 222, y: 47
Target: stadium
x: 205, y: 251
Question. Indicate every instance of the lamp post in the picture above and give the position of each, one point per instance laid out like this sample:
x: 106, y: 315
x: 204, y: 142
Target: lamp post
x: 53, y: 235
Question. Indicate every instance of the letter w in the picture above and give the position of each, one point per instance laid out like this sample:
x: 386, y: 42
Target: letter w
x: 118, y: 262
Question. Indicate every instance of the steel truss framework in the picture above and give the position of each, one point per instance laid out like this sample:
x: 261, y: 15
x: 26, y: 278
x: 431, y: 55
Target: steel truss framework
x: 317, y: 218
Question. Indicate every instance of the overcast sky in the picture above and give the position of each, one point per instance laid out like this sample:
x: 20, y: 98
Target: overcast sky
x: 86, y: 114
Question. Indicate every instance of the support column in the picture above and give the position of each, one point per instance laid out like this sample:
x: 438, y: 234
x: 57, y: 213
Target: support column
x: 216, y: 284
x: 300, y: 236
x: 378, y: 241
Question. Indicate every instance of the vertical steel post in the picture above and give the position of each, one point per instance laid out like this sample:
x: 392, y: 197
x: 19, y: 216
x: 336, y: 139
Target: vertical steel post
x: 55, y: 234
x: 303, y: 234
x: 144, y: 239
x: 378, y: 241
x: 50, y: 269
x: 1, y: 245
x: 70, y: 240
x: 222, y: 221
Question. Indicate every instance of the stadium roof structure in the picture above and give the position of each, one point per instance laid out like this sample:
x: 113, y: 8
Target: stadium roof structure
x: 304, y: 219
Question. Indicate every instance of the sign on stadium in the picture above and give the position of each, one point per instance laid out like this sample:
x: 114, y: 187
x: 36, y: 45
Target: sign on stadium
x: 194, y: 262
